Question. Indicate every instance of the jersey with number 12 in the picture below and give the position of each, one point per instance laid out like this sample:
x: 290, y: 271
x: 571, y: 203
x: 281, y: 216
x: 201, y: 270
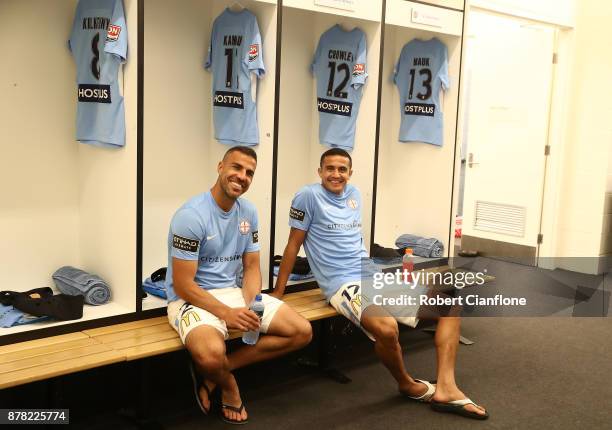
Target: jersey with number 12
x: 340, y: 68
x: 420, y: 74
x: 98, y: 42
x: 233, y: 54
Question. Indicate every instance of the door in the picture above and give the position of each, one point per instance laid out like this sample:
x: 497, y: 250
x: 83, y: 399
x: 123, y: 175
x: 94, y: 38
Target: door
x: 511, y: 66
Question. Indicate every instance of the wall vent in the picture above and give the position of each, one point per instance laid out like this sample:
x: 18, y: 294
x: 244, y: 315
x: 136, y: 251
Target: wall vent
x: 500, y: 218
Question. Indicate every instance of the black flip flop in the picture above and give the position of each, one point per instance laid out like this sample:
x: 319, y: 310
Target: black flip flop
x: 238, y: 410
x: 196, y: 388
x: 457, y: 407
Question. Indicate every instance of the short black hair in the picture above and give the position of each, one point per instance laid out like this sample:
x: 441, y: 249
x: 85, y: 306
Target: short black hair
x: 336, y: 151
x: 243, y: 150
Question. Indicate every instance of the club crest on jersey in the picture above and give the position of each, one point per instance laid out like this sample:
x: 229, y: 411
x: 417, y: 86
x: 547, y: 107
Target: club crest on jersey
x: 334, y: 107
x: 352, y: 203
x: 113, y: 32
x: 253, y: 52
x: 91, y: 93
x: 228, y: 99
x: 244, y: 227
x: 358, y: 69
x: 419, y: 109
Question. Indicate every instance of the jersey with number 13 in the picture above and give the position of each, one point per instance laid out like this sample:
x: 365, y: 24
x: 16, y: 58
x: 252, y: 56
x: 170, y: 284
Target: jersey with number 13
x: 98, y: 42
x: 340, y: 68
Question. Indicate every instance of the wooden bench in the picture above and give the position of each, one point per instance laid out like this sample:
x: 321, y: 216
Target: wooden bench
x: 40, y: 359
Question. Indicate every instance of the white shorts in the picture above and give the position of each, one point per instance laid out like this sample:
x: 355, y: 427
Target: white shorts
x: 184, y: 317
x: 350, y: 302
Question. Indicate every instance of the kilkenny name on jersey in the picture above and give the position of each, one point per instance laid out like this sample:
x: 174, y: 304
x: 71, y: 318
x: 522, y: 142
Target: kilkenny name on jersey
x: 419, y: 109
x: 95, y: 23
x: 228, y: 99
x: 335, y: 107
x: 336, y: 54
x: 92, y: 93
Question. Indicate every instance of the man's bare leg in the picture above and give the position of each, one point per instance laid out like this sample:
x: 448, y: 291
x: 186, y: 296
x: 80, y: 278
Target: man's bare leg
x: 207, y: 348
x: 387, y: 347
x: 447, y: 340
x: 287, y: 332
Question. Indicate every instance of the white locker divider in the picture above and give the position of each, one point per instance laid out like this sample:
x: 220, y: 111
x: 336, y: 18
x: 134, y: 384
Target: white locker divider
x: 180, y: 152
x: 299, y: 149
x: 415, y: 180
x: 370, y: 10
x: 64, y: 203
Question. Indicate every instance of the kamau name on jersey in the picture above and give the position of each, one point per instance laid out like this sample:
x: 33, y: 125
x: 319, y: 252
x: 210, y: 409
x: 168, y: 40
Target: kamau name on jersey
x: 232, y: 40
x: 91, y: 93
x: 419, y: 109
x: 228, y: 99
x: 420, y: 61
x: 336, y: 54
x: 334, y: 107
x: 95, y: 23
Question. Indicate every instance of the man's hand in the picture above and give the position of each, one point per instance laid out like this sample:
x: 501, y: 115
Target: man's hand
x: 242, y: 319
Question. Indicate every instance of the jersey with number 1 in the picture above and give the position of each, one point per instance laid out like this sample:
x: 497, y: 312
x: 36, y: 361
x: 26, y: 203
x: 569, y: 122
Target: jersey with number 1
x: 420, y: 74
x: 98, y: 42
x: 340, y: 69
x: 234, y: 53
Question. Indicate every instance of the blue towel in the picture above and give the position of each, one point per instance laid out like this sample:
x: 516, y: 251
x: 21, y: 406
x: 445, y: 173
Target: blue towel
x: 421, y: 246
x: 295, y: 276
x: 10, y: 317
x: 76, y: 282
x: 155, y: 288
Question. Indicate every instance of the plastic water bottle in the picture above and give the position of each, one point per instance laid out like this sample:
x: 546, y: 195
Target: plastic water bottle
x: 250, y: 337
x: 408, y: 265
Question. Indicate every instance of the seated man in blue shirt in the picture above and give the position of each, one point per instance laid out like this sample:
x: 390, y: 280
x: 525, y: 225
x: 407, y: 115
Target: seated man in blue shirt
x: 212, y: 236
x: 326, y: 218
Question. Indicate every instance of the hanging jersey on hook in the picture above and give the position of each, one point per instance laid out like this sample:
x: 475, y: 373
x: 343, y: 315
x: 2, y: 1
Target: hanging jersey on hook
x: 98, y: 42
x: 233, y: 54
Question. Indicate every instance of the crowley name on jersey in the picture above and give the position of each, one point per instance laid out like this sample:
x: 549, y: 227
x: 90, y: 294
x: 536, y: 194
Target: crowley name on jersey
x: 234, y: 53
x: 340, y: 69
x: 98, y: 42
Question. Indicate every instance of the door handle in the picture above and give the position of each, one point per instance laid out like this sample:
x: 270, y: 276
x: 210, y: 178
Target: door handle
x: 471, y: 160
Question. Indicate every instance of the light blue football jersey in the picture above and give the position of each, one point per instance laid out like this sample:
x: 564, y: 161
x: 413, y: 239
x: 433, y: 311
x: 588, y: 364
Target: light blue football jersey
x: 233, y: 54
x: 339, y: 66
x: 200, y: 230
x: 334, y: 245
x: 99, y: 45
x: 420, y: 74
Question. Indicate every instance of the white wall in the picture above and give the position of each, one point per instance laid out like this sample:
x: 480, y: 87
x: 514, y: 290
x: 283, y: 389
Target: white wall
x: 559, y: 12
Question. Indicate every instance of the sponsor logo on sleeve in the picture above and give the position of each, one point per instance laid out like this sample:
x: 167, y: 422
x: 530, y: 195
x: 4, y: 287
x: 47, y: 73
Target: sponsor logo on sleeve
x: 113, y: 32
x: 255, y: 236
x: 244, y: 227
x: 358, y: 69
x: 253, y: 52
x: 419, y: 109
x: 228, y: 99
x: 184, y: 244
x: 92, y: 93
x: 334, y: 107
x: 296, y: 214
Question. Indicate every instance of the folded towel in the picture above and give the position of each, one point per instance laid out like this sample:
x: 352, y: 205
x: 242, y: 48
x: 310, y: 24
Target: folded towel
x: 76, y: 282
x: 421, y: 246
x: 156, y: 288
x: 10, y: 317
x: 295, y: 276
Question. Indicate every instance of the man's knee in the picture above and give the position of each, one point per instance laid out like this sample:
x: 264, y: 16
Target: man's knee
x: 303, y: 333
x: 384, y: 330
x: 210, y: 359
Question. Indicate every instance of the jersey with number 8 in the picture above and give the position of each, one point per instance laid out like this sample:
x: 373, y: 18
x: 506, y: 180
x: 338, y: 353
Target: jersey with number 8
x: 420, y: 73
x: 340, y: 68
x: 98, y: 42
